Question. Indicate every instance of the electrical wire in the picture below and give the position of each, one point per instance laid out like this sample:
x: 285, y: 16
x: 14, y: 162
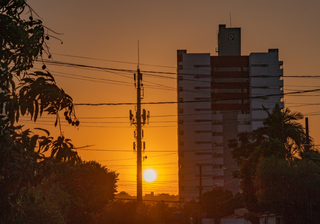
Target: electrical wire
x: 198, y: 101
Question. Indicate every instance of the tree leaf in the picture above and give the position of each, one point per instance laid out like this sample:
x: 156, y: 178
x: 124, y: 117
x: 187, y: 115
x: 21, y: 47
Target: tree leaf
x: 36, y: 112
x: 45, y: 130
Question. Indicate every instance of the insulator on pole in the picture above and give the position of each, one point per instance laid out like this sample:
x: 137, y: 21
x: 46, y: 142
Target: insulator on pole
x: 144, y: 116
x: 142, y: 91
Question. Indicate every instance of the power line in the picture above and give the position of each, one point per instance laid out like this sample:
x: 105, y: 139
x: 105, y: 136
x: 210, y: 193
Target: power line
x: 123, y: 150
x: 117, y: 61
x: 154, y: 72
x: 164, y: 66
x: 199, y: 101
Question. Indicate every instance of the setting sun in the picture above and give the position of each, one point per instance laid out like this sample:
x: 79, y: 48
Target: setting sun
x: 149, y: 175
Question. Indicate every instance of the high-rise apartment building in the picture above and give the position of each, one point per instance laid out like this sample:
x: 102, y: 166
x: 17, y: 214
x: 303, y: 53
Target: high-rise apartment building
x: 218, y: 97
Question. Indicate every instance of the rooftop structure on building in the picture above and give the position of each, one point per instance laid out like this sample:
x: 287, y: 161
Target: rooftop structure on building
x: 218, y: 97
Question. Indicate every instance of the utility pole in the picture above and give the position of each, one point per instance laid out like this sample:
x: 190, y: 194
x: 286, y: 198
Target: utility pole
x: 139, y: 120
x: 309, y: 155
x: 200, y: 195
x: 139, y: 139
x: 307, y: 134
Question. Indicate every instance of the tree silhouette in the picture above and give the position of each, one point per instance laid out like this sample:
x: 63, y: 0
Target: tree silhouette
x: 282, y: 126
x: 271, y: 158
x: 22, y: 93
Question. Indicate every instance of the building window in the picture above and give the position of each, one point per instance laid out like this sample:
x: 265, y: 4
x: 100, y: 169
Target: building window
x: 202, y: 76
x: 180, y: 77
x: 227, y: 69
x: 180, y: 99
x: 180, y: 111
x: 180, y: 67
x: 244, y: 122
x: 216, y: 133
x: 245, y: 112
x: 180, y: 89
x: 230, y: 80
x: 202, y: 87
x: 217, y: 166
x: 217, y: 155
x: 207, y: 99
x: 181, y: 132
x: 259, y: 65
x: 202, y: 109
x: 226, y: 101
x: 260, y: 87
x: 216, y: 122
x: 215, y: 144
x: 180, y: 122
x: 202, y: 131
x: 244, y: 90
x: 217, y: 176
x: 202, y: 120
x: 203, y: 142
x: 227, y: 90
x: 245, y: 69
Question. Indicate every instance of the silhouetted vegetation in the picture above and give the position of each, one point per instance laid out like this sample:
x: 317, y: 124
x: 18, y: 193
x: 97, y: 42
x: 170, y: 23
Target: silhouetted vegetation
x: 279, y: 169
x: 35, y: 188
x: 218, y: 203
x: 129, y: 212
x: 87, y: 187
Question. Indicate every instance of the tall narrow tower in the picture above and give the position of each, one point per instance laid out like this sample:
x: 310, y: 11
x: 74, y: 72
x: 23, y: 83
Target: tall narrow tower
x: 140, y: 119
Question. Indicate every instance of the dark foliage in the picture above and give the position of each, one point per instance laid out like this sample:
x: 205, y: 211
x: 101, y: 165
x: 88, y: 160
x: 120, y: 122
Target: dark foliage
x: 88, y: 186
x: 273, y: 167
x: 22, y: 162
x: 218, y: 203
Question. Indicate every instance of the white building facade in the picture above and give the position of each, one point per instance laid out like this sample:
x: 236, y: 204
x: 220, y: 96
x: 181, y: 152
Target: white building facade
x: 218, y: 97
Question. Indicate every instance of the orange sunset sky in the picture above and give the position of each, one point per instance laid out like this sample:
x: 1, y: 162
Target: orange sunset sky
x: 105, y: 33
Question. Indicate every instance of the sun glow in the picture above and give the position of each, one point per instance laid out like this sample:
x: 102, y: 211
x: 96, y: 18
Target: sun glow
x: 149, y: 175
